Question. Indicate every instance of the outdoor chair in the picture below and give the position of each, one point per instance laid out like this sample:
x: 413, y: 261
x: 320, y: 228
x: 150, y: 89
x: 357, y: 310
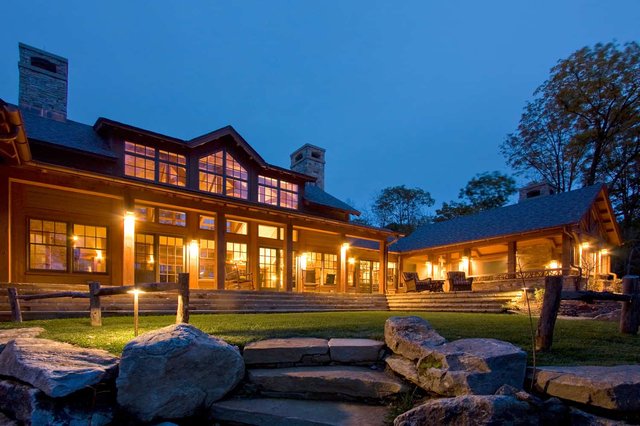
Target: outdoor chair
x: 413, y: 283
x: 236, y: 279
x: 458, y: 281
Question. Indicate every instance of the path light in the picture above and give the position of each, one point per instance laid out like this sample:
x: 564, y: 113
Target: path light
x: 136, y: 292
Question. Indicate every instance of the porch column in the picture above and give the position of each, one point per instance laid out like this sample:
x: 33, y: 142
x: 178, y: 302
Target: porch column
x: 288, y: 257
x: 253, y: 255
x: 128, y: 249
x: 342, y: 271
x: 567, y: 253
x: 5, y: 231
x: 384, y: 262
x: 221, y: 245
x: 512, y: 262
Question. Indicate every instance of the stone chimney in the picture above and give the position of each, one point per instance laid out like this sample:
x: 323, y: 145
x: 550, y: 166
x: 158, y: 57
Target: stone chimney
x: 309, y: 159
x: 43, y: 82
x: 536, y: 189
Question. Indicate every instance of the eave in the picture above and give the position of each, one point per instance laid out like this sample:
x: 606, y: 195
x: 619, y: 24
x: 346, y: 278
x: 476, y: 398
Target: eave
x: 14, y: 146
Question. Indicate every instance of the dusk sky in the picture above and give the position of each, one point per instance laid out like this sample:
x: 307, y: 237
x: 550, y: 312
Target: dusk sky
x: 419, y: 93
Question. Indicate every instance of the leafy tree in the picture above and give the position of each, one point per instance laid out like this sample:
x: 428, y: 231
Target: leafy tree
x: 483, y: 192
x: 402, y: 209
x: 584, y: 126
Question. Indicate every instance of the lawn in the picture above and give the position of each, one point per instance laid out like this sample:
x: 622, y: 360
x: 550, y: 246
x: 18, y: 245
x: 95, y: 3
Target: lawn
x: 575, y: 341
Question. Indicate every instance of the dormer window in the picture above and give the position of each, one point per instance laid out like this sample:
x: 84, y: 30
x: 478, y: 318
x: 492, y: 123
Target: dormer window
x: 220, y: 173
x: 172, y: 168
x: 140, y: 161
x: 277, y: 192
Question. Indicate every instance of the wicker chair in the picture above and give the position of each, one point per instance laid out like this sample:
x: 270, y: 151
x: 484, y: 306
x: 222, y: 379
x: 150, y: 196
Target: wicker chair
x: 458, y: 281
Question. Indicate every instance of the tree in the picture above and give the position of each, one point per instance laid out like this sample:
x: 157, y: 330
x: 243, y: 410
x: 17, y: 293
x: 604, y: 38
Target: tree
x: 402, y: 209
x: 484, y: 191
x: 584, y: 127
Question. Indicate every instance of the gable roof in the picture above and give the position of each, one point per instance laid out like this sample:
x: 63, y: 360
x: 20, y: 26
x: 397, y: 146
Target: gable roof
x: 315, y: 195
x: 538, y: 213
x: 68, y: 134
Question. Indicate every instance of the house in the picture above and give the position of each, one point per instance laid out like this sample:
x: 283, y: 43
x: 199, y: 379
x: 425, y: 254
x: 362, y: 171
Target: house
x: 118, y: 204
x: 570, y: 234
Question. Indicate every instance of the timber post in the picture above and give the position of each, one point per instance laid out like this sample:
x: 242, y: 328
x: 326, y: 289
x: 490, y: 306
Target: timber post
x: 549, y: 313
x: 630, y: 316
x: 95, y: 311
x: 14, y: 303
x: 182, y: 315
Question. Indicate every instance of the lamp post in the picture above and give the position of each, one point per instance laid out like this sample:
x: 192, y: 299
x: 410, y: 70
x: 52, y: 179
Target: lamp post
x: 136, y: 292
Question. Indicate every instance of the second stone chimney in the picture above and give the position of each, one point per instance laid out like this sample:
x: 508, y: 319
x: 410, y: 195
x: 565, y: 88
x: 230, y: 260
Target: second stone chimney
x: 43, y: 82
x: 536, y: 189
x: 309, y: 159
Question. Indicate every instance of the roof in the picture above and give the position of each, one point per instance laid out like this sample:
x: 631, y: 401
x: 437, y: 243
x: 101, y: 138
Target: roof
x: 538, y: 213
x: 315, y: 195
x: 67, y: 134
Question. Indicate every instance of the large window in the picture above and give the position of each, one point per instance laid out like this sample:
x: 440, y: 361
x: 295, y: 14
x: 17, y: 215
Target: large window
x: 140, y: 161
x: 170, y: 258
x: 277, y: 192
x: 207, y: 259
x: 158, y: 258
x: 319, y: 268
x: 160, y: 215
x: 50, y: 244
x: 220, y: 173
x: 270, y: 267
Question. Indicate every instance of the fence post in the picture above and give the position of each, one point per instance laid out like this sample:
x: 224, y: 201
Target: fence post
x: 14, y: 303
x: 94, y: 304
x: 630, y: 316
x: 549, y: 313
x: 182, y: 316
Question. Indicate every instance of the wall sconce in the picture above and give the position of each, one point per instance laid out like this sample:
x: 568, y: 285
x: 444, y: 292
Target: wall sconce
x: 352, y: 261
x: 585, y: 245
x: 303, y: 261
x: 554, y: 264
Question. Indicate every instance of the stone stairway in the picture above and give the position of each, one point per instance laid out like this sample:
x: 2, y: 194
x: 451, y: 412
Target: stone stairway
x: 307, y: 381
x: 461, y: 301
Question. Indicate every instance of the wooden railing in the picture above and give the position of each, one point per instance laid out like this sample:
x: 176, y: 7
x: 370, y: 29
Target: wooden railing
x: 532, y: 273
x: 96, y: 292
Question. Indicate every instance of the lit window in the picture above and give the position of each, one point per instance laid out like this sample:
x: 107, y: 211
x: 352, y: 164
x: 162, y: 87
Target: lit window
x: 272, y: 232
x: 47, y: 245
x: 220, y: 173
x: 288, y: 195
x: 89, y: 248
x: 211, y: 173
x: 139, y: 161
x: 170, y: 258
x: 172, y: 168
x: 145, y: 213
x: 145, y: 259
x: 236, y: 179
x: 207, y: 222
x: 237, y: 227
x: 267, y: 190
x: 172, y: 217
x: 207, y: 259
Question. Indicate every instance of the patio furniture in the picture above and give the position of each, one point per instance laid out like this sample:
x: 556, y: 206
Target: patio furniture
x: 413, y: 283
x: 458, y: 281
x: 236, y: 279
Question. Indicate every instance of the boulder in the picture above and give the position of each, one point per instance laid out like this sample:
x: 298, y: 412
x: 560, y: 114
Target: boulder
x: 355, y: 350
x: 14, y: 333
x: 470, y: 410
x: 175, y: 372
x: 286, y: 351
x: 6, y: 421
x: 613, y: 388
x: 28, y: 405
x: 472, y: 366
x: 412, y: 337
x: 57, y: 369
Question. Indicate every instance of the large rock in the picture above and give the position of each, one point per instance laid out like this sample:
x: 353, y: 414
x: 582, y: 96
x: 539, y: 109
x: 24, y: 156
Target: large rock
x: 411, y: 337
x: 614, y: 388
x: 472, y: 366
x: 287, y: 351
x: 13, y: 333
x: 469, y: 410
x: 31, y: 406
x: 57, y: 369
x: 175, y: 372
x: 355, y: 350
x: 327, y: 382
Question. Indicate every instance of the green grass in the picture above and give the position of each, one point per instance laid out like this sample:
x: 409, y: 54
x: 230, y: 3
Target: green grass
x: 575, y: 341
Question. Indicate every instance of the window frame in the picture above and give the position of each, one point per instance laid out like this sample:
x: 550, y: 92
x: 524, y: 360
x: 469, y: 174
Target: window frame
x: 157, y: 162
x: 287, y: 194
x: 231, y: 172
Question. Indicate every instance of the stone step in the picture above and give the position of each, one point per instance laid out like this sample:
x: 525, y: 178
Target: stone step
x: 327, y: 382
x: 293, y: 412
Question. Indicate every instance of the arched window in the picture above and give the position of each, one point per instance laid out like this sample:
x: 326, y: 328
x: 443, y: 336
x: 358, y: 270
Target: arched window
x: 220, y: 173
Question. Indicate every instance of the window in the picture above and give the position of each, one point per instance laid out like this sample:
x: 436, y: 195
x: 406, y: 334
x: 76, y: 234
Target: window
x: 139, y: 161
x: 270, y: 267
x: 47, y: 245
x: 145, y: 213
x: 320, y: 268
x: 207, y: 259
x: 237, y: 227
x: 172, y: 168
x: 207, y: 222
x: 172, y: 217
x: 145, y: 258
x: 50, y: 245
x: 220, y: 173
x: 89, y: 246
x: 272, y: 232
x: 170, y: 258
x: 277, y: 193
x: 236, y: 258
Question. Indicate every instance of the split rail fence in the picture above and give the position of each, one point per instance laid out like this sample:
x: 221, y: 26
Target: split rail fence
x: 96, y: 292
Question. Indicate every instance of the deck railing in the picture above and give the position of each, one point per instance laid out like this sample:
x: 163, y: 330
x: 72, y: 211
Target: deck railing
x: 532, y: 273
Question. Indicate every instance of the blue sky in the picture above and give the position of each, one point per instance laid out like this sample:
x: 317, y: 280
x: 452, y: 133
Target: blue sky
x: 420, y: 93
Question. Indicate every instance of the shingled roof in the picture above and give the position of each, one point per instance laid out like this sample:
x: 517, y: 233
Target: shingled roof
x: 538, y: 213
x: 315, y: 195
x: 68, y: 134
